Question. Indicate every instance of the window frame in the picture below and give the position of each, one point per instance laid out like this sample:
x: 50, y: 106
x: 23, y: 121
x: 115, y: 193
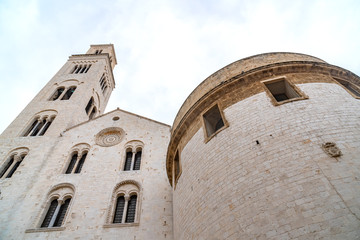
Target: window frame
x: 208, y: 137
x: 60, y: 192
x: 301, y: 94
x: 80, y: 149
x: 127, y: 189
x: 343, y: 83
x: 17, y: 156
x: 134, y: 147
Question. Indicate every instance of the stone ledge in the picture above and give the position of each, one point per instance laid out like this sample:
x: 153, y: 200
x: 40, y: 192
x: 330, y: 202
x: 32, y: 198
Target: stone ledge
x: 116, y: 225
x: 51, y: 229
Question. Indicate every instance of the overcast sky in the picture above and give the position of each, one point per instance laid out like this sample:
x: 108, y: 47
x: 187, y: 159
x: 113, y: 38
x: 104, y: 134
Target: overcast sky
x: 164, y: 48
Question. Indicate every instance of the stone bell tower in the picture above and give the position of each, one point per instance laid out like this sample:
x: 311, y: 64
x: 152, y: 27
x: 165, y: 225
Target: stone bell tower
x: 79, y: 91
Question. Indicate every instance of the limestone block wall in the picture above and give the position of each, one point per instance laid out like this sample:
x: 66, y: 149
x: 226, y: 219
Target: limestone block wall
x: 93, y: 187
x: 285, y: 187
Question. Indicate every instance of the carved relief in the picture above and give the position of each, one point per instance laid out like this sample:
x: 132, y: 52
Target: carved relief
x: 109, y: 137
x: 331, y: 149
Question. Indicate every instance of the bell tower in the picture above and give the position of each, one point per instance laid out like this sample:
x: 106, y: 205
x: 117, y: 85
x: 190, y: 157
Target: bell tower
x: 78, y: 92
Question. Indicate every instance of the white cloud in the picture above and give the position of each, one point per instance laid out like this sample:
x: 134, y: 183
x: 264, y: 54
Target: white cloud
x: 164, y: 49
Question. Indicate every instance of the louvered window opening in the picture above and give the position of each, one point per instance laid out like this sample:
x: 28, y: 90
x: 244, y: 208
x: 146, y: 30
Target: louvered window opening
x: 119, y: 210
x: 81, y: 163
x: 50, y: 213
x: 128, y: 161
x: 103, y: 83
x: 72, y: 163
x: 61, y: 214
x: 78, y: 69
x: 7, y: 166
x: 137, y: 160
x: 57, y: 93
x: 50, y: 219
x: 130, y: 215
x: 68, y: 93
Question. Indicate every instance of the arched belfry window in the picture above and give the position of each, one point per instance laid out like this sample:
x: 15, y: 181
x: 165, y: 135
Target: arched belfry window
x: 68, y: 93
x: 40, y: 124
x: 125, y: 204
x: 78, y: 69
x: 133, y: 156
x: 77, y: 158
x: 91, y: 109
x: 12, y: 163
x: 57, y: 206
x: 58, y: 92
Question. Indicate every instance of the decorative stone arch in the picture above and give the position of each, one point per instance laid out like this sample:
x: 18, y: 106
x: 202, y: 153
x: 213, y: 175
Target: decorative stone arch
x: 76, y: 158
x: 127, y: 189
x: 65, y: 85
x: 39, y: 123
x: 133, y: 155
x: 62, y: 195
x: 12, y: 161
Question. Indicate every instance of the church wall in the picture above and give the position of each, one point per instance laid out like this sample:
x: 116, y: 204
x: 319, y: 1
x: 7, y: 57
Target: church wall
x: 286, y: 186
x: 94, y: 185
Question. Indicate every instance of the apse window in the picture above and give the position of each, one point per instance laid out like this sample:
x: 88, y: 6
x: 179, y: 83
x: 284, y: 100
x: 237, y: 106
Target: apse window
x: 213, y: 121
x: 354, y: 90
x: 283, y: 91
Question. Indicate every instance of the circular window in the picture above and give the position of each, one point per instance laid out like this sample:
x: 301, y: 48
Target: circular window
x: 109, y: 137
x: 115, y: 118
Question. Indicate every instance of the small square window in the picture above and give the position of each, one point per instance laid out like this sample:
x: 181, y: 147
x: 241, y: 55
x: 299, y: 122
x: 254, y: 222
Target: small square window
x: 213, y: 121
x: 282, y: 91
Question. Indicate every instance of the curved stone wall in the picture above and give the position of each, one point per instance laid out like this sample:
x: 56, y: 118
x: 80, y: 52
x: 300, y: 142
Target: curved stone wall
x: 267, y: 173
x: 284, y: 187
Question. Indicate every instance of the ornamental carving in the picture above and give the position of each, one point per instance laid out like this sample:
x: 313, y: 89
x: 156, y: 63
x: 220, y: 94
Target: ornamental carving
x: 331, y: 149
x: 109, y: 137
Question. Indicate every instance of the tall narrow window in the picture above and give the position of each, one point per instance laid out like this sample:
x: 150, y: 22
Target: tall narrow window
x: 81, y: 163
x: 130, y: 215
x: 137, y: 160
x: 128, y: 161
x: 93, y: 113
x: 6, y: 166
x: 11, y: 165
x: 57, y: 93
x: 103, y: 83
x: 119, y: 209
x: 72, y: 163
x: 50, y: 213
x: 89, y: 105
x: 213, y: 120
x: 68, y: 93
x: 177, y: 167
x: 61, y: 214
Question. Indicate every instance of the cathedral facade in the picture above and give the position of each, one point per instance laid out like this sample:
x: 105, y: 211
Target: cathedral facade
x: 265, y: 148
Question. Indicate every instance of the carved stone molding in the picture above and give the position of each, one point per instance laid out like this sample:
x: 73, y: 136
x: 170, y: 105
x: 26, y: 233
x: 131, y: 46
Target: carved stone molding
x: 331, y: 149
x: 109, y: 137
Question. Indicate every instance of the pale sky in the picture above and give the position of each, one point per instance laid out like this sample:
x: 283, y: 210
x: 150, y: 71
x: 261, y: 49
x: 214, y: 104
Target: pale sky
x: 164, y: 48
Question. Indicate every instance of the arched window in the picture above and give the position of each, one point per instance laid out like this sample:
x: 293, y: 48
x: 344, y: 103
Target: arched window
x: 133, y: 156
x: 125, y: 205
x: 103, y: 83
x: 77, y: 158
x: 68, y: 93
x: 59, y: 200
x: 40, y: 125
x: 57, y: 93
x: 12, y: 163
x: 90, y: 108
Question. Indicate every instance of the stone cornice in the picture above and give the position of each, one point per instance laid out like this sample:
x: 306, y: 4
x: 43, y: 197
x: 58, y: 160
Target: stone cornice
x: 242, y: 86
